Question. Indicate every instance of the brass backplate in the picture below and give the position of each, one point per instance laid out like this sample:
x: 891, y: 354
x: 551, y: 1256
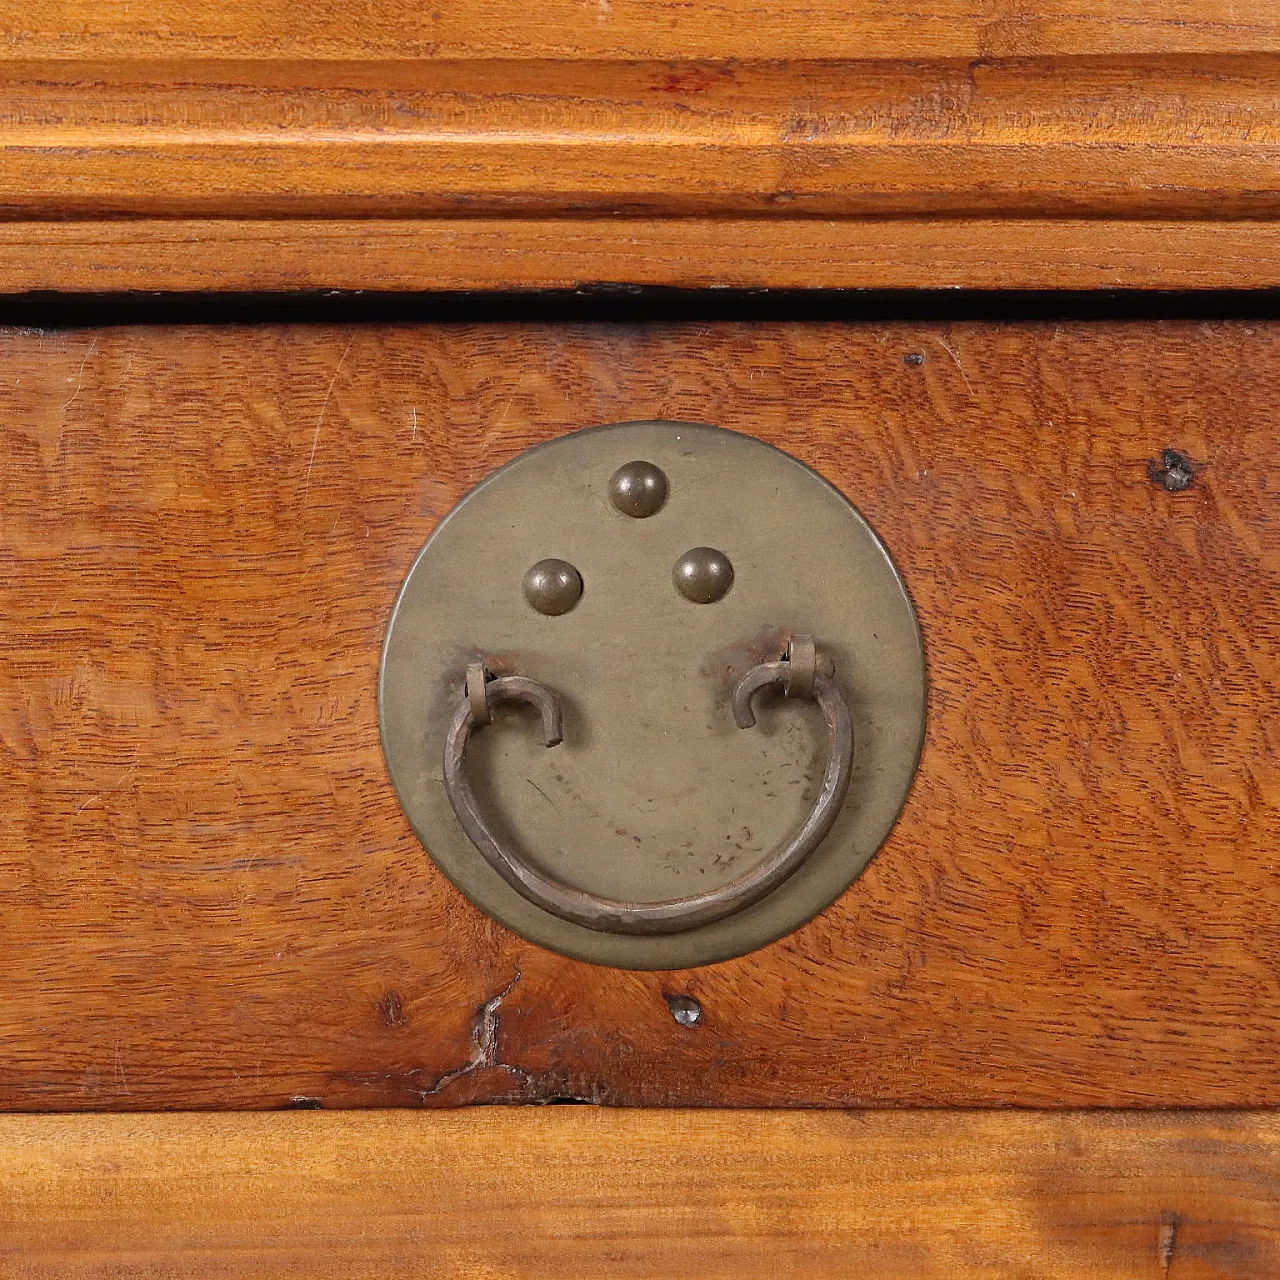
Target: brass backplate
x: 654, y: 793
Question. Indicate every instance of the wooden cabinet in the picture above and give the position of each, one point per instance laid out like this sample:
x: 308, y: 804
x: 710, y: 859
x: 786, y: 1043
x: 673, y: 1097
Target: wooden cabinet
x: 1039, y: 1035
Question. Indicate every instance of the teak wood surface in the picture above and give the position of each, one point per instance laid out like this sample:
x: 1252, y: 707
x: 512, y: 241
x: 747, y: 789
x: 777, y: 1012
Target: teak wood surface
x: 1105, y: 137
x: 209, y: 897
x: 665, y: 30
x: 541, y: 1194
x: 229, y: 255
x: 187, y: 145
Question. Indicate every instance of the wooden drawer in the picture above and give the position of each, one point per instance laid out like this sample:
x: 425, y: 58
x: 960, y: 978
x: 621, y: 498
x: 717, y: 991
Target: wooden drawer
x: 209, y: 896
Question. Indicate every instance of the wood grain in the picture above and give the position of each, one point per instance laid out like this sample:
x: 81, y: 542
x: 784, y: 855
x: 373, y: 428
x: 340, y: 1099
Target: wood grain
x: 209, y: 897
x: 632, y: 29
x: 163, y: 168
x: 567, y: 253
x: 1093, y: 137
x: 580, y: 1191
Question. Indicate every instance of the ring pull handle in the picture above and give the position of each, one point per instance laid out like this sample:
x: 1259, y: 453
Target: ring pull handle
x: 797, y: 675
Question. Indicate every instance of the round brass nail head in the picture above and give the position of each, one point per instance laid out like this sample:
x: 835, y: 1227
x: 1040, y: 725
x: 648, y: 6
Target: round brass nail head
x: 703, y: 575
x: 553, y: 586
x: 638, y: 489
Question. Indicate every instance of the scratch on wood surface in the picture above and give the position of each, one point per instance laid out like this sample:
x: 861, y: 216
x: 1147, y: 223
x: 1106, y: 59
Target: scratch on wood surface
x: 118, y: 785
x: 484, y: 1043
x: 951, y: 351
x: 510, y: 400
x: 315, y: 439
x: 93, y: 346
x: 1167, y: 1244
x: 484, y: 1054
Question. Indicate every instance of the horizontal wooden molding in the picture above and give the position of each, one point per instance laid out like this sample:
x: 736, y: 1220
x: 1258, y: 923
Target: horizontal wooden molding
x: 662, y: 29
x: 564, y: 253
x: 1107, y: 137
x: 578, y: 1191
x: 1143, y: 170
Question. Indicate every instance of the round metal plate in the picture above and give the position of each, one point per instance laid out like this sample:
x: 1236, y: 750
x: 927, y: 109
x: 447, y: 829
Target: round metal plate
x: 654, y: 793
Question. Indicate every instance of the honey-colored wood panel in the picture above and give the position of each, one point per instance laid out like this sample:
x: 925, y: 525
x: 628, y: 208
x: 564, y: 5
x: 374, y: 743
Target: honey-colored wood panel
x: 328, y: 29
x: 1113, y: 137
x: 584, y: 1192
x: 567, y: 253
x: 208, y: 896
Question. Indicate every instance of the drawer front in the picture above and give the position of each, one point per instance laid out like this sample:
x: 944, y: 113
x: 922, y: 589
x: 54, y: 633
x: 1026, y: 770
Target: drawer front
x: 209, y: 896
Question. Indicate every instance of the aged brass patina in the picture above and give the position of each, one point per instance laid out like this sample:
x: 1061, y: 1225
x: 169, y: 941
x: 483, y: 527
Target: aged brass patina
x: 703, y: 575
x: 673, y: 915
x: 553, y: 586
x: 657, y: 833
x: 638, y: 489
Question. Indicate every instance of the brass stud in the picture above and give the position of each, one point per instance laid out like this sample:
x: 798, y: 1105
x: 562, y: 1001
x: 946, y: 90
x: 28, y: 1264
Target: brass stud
x: 703, y: 575
x: 638, y: 489
x: 553, y: 586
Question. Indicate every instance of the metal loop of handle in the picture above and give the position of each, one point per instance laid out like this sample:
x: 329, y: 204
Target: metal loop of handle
x: 797, y: 675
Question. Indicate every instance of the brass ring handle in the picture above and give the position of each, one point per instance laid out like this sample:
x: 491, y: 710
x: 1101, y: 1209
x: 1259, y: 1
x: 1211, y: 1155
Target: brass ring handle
x: 796, y: 676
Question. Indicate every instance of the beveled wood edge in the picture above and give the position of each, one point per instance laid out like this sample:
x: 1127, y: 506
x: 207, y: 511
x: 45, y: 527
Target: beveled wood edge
x: 491, y: 254
x: 1085, y: 137
x: 670, y: 29
x: 542, y: 1192
x: 1088, y: 172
